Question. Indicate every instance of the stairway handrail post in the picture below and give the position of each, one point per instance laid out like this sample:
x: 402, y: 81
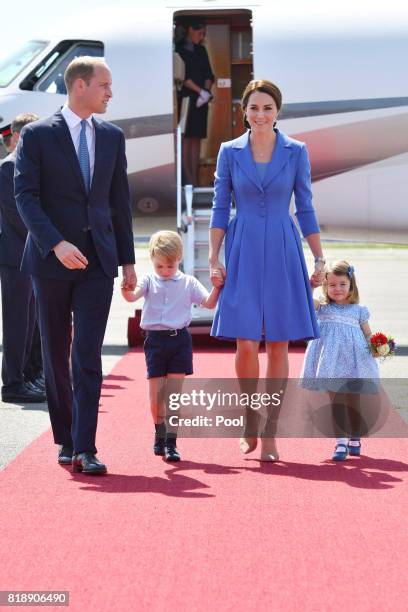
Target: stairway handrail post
x: 179, y: 152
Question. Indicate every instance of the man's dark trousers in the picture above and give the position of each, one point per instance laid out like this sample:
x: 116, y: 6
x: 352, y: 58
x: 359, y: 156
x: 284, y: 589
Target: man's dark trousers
x: 34, y: 367
x: 77, y: 311
x: 57, y: 206
x: 18, y: 308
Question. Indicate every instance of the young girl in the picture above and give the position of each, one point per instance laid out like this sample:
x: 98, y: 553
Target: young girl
x: 342, y: 351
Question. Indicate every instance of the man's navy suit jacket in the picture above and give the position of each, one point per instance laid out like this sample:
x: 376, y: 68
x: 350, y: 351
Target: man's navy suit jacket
x: 53, y: 203
x: 13, y: 232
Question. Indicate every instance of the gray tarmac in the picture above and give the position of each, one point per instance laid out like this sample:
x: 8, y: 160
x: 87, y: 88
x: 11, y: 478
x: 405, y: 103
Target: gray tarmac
x: 380, y: 272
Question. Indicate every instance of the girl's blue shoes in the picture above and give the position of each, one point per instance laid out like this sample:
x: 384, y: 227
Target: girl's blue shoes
x: 340, y: 452
x: 354, y: 447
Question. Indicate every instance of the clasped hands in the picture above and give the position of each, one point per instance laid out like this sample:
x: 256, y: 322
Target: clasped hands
x: 129, y: 278
x: 204, y: 97
x: 317, y: 277
x: 217, y: 274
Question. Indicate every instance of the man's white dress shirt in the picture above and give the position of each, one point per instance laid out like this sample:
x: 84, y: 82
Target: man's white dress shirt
x: 74, y: 125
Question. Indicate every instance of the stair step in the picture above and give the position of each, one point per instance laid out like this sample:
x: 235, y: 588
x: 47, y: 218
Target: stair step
x: 203, y: 190
x: 202, y: 212
x: 202, y: 218
x: 205, y: 213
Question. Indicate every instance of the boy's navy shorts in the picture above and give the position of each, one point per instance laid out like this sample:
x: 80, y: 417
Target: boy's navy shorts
x: 168, y: 352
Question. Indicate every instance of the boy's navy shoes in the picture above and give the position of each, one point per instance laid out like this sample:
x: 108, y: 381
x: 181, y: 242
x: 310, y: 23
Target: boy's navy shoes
x: 170, y: 451
x: 158, y: 446
x: 159, y: 439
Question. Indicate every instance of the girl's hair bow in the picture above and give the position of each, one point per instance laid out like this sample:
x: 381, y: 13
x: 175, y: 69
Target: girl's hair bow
x: 350, y: 271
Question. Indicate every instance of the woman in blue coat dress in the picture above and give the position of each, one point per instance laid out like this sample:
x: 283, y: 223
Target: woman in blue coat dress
x: 266, y: 293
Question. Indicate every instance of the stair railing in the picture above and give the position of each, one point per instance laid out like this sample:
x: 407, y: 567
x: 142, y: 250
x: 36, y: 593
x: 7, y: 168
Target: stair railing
x: 181, y: 127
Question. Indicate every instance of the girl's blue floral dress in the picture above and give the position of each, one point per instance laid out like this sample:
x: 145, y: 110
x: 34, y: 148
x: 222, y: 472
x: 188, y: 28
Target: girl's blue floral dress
x: 341, y: 352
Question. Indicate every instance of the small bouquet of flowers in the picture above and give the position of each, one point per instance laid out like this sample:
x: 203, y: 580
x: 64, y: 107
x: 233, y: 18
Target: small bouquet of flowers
x: 382, y: 346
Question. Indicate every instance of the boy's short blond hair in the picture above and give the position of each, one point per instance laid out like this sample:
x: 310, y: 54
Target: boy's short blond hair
x: 166, y: 244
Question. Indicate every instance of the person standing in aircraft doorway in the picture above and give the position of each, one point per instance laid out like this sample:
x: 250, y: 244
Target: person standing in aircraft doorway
x: 199, y: 79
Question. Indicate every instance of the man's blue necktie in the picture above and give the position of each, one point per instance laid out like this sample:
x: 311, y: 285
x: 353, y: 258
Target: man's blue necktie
x: 83, y: 155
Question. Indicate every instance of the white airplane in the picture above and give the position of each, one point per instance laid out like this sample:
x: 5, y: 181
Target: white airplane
x: 340, y: 66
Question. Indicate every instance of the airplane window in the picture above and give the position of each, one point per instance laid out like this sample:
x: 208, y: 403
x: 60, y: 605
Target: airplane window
x: 12, y: 65
x: 51, y: 74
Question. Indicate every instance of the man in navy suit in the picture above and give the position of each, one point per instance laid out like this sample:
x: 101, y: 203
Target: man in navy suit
x: 18, y: 303
x: 72, y: 192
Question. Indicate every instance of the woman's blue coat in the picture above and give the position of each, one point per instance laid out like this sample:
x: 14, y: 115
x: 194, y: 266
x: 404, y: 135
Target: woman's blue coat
x: 266, y: 292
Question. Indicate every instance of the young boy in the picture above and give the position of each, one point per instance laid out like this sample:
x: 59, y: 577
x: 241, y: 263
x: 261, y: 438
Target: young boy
x: 166, y: 314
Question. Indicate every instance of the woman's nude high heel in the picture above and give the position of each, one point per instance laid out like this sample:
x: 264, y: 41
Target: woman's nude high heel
x: 269, y: 452
x: 249, y: 440
x: 247, y: 445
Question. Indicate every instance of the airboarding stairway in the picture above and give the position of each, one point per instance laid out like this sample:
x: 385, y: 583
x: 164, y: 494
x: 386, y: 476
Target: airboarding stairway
x: 193, y: 220
x: 194, y: 231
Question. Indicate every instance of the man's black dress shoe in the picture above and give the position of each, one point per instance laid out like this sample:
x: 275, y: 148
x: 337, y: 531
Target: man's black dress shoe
x: 25, y: 394
x: 32, y: 386
x: 170, y: 451
x: 39, y: 383
x: 65, y: 455
x: 40, y: 379
x: 88, y: 464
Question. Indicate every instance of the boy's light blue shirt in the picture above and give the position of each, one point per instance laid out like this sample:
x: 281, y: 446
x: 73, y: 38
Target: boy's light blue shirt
x: 168, y: 302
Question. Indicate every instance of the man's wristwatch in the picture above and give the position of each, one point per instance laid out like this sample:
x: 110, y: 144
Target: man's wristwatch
x: 320, y: 260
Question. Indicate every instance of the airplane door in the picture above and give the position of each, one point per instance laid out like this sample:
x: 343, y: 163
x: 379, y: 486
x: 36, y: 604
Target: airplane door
x: 229, y: 46
x: 217, y: 43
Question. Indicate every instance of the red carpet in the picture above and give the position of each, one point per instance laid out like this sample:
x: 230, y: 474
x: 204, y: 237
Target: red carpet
x: 215, y: 531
